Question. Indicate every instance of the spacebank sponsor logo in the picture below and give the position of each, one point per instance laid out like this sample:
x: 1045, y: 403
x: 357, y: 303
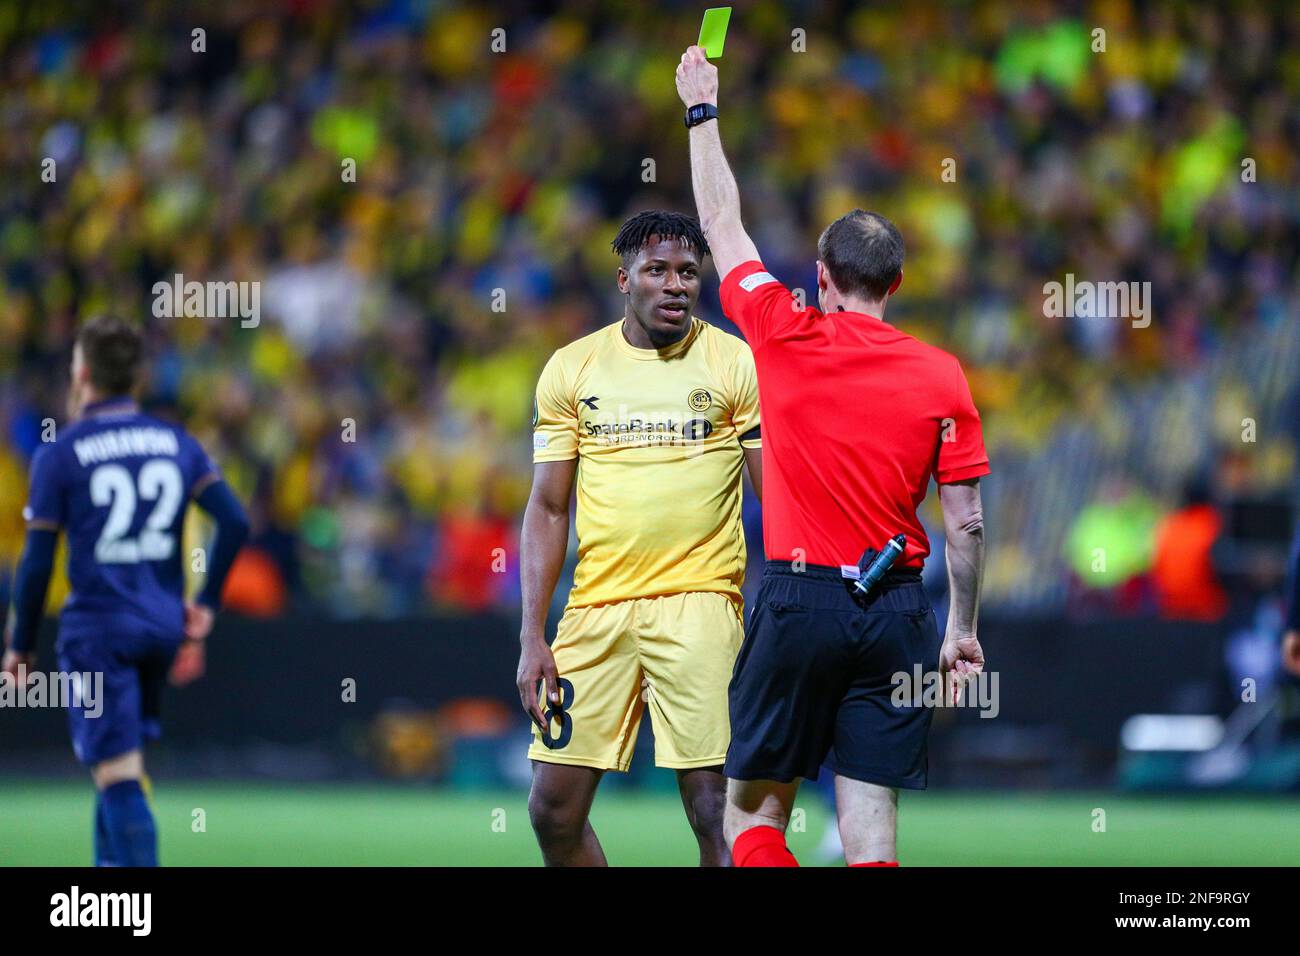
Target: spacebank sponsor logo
x: 622, y: 426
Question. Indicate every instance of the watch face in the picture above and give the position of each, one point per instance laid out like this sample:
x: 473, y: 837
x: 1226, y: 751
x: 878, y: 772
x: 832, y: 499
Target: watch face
x: 697, y: 114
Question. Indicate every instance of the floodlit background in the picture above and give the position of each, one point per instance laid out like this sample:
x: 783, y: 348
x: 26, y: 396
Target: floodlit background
x: 429, y: 217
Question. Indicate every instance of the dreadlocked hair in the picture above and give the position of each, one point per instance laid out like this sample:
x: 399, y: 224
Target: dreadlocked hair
x: 636, y: 232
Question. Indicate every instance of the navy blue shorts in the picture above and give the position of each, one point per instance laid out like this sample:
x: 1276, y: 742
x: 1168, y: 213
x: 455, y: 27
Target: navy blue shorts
x: 815, y: 680
x: 124, y: 665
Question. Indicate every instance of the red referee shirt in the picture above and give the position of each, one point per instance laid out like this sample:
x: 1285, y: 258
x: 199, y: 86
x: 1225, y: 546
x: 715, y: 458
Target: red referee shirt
x: 857, y: 417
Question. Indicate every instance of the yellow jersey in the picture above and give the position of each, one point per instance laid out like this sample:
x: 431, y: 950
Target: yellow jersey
x: 659, y: 437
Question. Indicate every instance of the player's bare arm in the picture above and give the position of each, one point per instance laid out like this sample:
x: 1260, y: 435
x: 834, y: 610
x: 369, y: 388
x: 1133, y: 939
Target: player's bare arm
x: 754, y: 465
x: 543, y: 541
x: 717, y: 197
x: 963, y: 522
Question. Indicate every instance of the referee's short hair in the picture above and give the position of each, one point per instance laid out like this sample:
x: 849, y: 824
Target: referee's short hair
x: 863, y: 252
x: 113, y: 352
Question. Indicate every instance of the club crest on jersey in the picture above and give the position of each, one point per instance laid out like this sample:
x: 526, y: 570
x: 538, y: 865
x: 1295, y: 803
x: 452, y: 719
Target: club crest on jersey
x: 700, y: 400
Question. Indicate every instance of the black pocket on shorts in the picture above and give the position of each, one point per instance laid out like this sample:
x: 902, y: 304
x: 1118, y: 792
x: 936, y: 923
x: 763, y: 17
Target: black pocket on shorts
x: 920, y: 620
x: 784, y: 606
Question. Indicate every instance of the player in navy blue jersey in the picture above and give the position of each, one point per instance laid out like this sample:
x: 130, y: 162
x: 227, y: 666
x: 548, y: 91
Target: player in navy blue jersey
x: 117, y: 482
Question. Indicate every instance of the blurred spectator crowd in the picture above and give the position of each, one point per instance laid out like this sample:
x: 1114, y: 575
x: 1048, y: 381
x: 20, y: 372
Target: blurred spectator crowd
x: 377, y: 416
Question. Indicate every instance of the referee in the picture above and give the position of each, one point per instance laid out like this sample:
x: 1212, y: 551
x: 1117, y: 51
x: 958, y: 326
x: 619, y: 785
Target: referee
x: 857, y: 417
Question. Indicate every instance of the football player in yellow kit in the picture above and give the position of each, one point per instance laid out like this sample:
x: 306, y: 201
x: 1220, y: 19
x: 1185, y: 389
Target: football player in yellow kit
x: 653, y: 415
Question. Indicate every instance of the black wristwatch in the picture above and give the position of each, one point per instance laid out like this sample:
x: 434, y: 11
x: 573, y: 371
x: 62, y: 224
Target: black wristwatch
x: 700, y: 113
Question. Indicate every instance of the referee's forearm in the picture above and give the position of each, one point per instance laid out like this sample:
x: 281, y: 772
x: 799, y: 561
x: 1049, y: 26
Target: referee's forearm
x: 965, y: 554
x: 717, y: 197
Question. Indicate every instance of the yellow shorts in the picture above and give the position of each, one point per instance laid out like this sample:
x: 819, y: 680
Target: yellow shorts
x: 684, y: 647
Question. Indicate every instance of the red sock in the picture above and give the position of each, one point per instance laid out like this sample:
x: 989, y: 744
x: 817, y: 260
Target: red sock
x: 877, y: 863
x: 762, y: 846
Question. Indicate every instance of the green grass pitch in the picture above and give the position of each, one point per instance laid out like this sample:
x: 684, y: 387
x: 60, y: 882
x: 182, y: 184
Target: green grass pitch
x: 48, y: 823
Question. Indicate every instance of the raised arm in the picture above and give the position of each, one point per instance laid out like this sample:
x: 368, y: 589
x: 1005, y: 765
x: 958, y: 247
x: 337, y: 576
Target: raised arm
x: 717, y: 198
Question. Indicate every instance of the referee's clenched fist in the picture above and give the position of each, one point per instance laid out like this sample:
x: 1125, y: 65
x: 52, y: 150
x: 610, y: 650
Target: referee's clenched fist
x: 857, y: 418
x: 697, y: 78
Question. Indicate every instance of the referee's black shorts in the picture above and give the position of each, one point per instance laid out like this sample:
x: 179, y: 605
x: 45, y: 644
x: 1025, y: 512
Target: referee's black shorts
x: 815, y: 680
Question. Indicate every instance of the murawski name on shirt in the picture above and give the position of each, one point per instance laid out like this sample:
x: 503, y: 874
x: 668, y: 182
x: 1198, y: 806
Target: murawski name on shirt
x: 125, y: 443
